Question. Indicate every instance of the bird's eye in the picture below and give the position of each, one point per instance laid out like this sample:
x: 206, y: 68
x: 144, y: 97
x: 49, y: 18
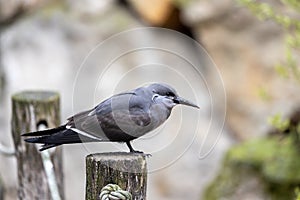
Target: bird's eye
x: 154, y: 97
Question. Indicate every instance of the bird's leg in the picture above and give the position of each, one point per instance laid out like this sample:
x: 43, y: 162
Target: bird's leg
x: 134, y: 151
x: 131, y: 149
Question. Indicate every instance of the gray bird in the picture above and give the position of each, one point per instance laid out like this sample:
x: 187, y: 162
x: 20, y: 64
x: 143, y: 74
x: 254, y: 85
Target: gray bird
x: 121, y: 118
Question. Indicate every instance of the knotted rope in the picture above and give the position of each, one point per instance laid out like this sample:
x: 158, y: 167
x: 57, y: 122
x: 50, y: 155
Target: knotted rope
x: 114, y: 192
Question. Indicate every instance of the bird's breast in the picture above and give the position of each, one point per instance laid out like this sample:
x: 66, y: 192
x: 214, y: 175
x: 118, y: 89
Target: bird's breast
x: 159, y: 114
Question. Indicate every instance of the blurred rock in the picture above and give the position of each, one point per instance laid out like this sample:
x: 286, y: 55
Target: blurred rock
x: 87, y: 7
x: 204, y: 10
x: 266, y: 168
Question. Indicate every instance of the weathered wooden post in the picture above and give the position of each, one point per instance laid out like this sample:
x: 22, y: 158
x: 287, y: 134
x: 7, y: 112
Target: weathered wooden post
x: 128, y: 170
x: 38, y: 177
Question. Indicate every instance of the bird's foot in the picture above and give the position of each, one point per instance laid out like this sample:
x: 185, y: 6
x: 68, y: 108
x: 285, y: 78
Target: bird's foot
x: 140, y: 152
x: 135, y: 151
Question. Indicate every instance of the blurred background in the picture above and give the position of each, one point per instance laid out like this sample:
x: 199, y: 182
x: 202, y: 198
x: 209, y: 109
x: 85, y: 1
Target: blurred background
x: 253, y: 49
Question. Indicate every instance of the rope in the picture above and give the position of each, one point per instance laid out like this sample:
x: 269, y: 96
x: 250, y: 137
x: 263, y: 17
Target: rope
x: 114, y: 192
x: 49, y: 169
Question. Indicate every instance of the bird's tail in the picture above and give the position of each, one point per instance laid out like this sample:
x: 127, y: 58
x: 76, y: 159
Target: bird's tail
x: 45, y: 132
x: 55, y: 137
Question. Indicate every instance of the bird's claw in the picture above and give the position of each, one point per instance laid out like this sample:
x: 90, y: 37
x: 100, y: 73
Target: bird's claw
x: 140, y: 152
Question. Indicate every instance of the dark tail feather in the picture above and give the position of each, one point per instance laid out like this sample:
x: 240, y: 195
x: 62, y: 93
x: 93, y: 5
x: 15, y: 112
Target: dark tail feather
x: 41, y: 140
x: 65, y: 136
x: 46, y: 132
x: 47, y: 146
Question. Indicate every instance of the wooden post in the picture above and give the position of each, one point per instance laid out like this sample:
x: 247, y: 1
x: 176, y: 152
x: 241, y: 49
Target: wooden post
x: 29, y: 110
x: 128, y: 170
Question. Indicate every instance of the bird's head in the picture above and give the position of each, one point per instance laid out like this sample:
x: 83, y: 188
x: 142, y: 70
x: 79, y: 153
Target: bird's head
x: 167, y: 95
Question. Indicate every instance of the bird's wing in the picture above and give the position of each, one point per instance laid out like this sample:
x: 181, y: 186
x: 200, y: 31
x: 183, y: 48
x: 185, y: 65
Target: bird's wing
x: 121, y: 125
x: 122, y: 113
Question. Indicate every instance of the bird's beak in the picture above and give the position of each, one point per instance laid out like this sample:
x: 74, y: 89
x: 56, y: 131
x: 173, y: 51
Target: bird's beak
x: 183, y: 101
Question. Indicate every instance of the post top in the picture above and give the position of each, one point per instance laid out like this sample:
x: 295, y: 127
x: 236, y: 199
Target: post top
x: 31, y: 96
x: 120, y: 161
x: 116, y: 156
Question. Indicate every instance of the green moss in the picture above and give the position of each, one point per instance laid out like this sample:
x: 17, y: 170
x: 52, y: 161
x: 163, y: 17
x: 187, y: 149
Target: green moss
x: 283, y: 166
x: 277, y: 159
x: 273, y: 163
x: 253, y: 152
x: 34, y: 96
x: 297, y: 192
x: 230, y: 177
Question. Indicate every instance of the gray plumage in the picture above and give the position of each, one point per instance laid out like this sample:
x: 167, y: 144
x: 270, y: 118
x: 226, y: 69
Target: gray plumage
x: 121, y: 118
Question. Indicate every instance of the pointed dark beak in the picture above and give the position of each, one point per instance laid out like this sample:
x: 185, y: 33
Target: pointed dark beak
x: 183, y: 101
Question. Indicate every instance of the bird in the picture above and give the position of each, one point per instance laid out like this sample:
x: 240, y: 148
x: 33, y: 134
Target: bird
x: 121, y: 118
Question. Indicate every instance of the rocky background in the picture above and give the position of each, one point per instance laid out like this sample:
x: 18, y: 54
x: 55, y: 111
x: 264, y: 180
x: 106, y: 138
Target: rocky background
x: 44, y: 42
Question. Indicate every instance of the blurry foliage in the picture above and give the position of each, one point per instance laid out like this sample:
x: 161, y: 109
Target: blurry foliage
x: 264, y: 94
x: 274, y: 162
x: 277, y: 159
x: 290, y: 126
x: 297, y: 192
x: 265, y: 11
x: 182, y: 3
x: 279, y: 123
